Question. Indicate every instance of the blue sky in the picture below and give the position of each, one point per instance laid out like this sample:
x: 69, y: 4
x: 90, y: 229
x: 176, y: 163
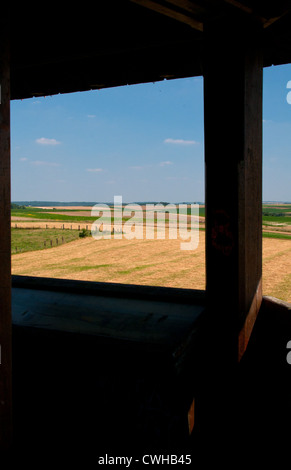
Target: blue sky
x: 144, y: 142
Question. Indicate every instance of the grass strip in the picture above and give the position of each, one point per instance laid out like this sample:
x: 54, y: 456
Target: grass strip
x: 23, y: 240
x: 281, y: 236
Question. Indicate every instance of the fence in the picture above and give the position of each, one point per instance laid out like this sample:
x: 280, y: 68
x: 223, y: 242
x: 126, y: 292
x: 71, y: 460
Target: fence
x: 28, y: 226
x: 54, y: 241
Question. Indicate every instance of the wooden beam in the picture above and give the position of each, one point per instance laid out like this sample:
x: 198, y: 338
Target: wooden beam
x: 270, y: 21
x: 233, y: 181
x: 190, y: 6
x: 5, y: 243
x: 245, y: 332
x: 266, y: 22
x: 233, y: 166
x: 170, y: 12
x: 241, y: 6
x: 193, y: 11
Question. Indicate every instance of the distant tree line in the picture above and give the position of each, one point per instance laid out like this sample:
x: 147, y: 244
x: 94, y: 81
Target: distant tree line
x: 17, y: 206
x: 273, y: 214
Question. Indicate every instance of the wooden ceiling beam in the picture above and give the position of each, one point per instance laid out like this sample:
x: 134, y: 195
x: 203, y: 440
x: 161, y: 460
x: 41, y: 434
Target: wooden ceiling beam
x: 271, y: 21
x: 191, y: 7
x: 171, y: 13
x: 266, y: 22
x: 190, y: 12
x: 240, y: 5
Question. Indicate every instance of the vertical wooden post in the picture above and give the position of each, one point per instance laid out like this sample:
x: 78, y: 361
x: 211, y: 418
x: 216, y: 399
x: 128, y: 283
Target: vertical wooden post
x: 233, y: 182
x: 233, y: 169
x: 5, y: 242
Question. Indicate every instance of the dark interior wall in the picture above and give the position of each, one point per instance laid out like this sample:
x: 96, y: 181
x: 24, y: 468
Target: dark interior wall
x: 76, y: 399
x: 5, y: 239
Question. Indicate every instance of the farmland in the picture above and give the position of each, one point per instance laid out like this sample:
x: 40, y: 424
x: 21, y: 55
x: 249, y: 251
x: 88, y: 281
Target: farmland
x: 145, y: 261
x: 29, y: 239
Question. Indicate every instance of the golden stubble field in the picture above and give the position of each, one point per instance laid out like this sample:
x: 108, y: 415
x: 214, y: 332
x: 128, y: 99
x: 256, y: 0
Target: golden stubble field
x: 147, y: 262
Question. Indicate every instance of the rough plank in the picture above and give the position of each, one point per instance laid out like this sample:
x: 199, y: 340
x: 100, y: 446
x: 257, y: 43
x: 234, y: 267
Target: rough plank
x: 152, y: 323
x: 171, y: 13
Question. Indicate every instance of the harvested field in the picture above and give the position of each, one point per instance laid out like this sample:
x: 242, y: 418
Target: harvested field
x: 277, y: 268
x: 148, y: 262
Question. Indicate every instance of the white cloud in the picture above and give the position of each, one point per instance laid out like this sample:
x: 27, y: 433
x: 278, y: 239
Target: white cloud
x: 91, y: 115
x: 166, y: 163
x: 45, y: 141
x: 43, y: 163
x: 180, y: 142
x: 94, y: 170
x: 23, y: 159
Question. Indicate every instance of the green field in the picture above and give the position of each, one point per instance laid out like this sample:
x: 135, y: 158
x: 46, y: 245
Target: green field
x: 270, y: 213
x: 47, y: 214
x: 277, y: 214
x: 23, y: 240
x: 131, y: 261
x: 280, y: 236
x: 269, y: 209
x: 273, y: 215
